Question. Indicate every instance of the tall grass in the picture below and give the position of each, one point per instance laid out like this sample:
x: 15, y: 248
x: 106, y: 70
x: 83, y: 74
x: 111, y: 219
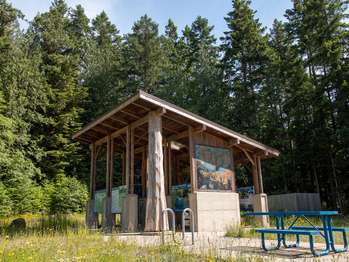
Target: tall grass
x: 43, y: 224
x: 65, y: 238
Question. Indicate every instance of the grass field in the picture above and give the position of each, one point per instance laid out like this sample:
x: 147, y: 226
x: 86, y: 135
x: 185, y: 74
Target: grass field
x: 64, y: 238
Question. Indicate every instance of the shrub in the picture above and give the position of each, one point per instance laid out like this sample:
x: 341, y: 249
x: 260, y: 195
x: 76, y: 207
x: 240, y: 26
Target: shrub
x: 66, y: 195
x: 5, y: 201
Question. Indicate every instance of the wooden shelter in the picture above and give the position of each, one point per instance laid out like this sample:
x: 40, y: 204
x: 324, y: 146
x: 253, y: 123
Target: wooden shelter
x: 160, y: 146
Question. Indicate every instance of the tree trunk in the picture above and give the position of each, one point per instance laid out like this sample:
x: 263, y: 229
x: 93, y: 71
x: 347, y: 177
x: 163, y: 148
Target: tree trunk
x: 156, y: 199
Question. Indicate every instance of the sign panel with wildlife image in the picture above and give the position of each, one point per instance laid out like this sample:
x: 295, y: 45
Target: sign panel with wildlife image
x: 214, y: 167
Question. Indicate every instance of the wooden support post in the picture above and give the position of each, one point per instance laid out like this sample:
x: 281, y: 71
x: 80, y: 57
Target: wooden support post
x: 132, y: 162
x: 144, y: 171
x: 111, y: 167
x: 169, y: 167
x: 93, y: 171
x: 233, y: 183
x: 107, y: 178
x: 91, y: 215
x: 107, y: 212
x: 191, y: 161
x: 166, y: 166
x: 260, y: 178
x: 255, y: 176
x: 123, y: 161
x: 128, y: 157
x: 156, y: 199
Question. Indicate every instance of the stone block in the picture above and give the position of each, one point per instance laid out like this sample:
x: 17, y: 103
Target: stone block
x: 260, y: 204
x: 91, y: 215
x: 215, y: 211
x: 129, y: 217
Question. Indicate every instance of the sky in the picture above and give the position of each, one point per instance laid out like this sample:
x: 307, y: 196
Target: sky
x: 123, y: 13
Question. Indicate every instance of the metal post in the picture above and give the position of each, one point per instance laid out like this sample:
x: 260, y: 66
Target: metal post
x: 163, y: 227
x: 188, y: 210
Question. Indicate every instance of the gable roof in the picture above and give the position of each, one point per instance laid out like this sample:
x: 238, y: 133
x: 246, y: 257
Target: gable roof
x: 140, y: 104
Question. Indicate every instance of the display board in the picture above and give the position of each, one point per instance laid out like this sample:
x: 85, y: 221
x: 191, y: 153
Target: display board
x: 214, y: 167
x: 118, y: 195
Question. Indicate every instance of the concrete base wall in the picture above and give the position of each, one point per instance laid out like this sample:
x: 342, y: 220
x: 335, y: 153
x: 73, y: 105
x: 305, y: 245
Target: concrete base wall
x: 260, y: 204
x: 107, y: 217
x: 91, y: 216
x: 215, y: 211
x: 129, y: 217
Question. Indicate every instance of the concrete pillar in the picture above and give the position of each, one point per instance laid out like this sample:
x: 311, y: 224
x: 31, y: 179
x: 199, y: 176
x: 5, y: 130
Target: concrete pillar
x: 260, y: 204
x: 215, y: 211
x: 107, y: 218
x: 91, y: 215
x: 129, y: 217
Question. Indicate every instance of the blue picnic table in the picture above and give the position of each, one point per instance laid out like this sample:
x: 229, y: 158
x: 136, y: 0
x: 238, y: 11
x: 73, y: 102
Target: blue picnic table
x: 326, y: 231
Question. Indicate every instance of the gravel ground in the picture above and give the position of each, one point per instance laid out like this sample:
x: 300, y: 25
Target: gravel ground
x: 244, y: 248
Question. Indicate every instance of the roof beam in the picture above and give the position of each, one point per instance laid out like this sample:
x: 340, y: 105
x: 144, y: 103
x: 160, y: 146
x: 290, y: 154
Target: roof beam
x: 178, y: 136
x: 118, y: 120
x: 107, y: 125
x: 200, y: 129
x: 129, y: 114
x: 247, y: 154
x: 234, y: 142
x: 176, y: 120
x: 141, y: 106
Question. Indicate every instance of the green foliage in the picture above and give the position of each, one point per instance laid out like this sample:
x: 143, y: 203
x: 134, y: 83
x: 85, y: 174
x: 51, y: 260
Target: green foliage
x: 5, y: 201
x: 142, y: 57
x: 66, y: 195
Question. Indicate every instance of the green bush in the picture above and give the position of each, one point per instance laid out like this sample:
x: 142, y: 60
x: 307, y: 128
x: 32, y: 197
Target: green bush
x: 5, y: 201
x: 66, y: 195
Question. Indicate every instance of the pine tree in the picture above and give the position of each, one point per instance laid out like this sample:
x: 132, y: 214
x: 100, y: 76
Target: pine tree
x: 142, y: 57
x: 319, y: 29
x: 203, y: 85
x: 245, y: 55
x: 285, y: 107
x: 60, y: 66
x: 102, y: 72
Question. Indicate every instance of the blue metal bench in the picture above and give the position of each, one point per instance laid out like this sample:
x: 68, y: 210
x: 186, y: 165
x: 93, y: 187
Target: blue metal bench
x: 279, y: 232
x: 343, y: 230
x: 326, y: 231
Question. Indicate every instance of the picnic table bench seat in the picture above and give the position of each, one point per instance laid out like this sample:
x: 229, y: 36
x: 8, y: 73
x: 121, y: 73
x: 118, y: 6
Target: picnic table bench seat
x: 337, y: 229
x: 281, y: 235
x: 288, y: 231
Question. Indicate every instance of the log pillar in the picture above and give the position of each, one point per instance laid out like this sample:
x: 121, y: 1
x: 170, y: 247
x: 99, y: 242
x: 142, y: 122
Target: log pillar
x: 132, y: 161
x: 107, y: 217
x: 128, y: 158
x: 255, y: 175
x: 156, y: 199
x: 91, y: 215
x: 260, y: 178
x: 191, y: 161
x: 260, y: 200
